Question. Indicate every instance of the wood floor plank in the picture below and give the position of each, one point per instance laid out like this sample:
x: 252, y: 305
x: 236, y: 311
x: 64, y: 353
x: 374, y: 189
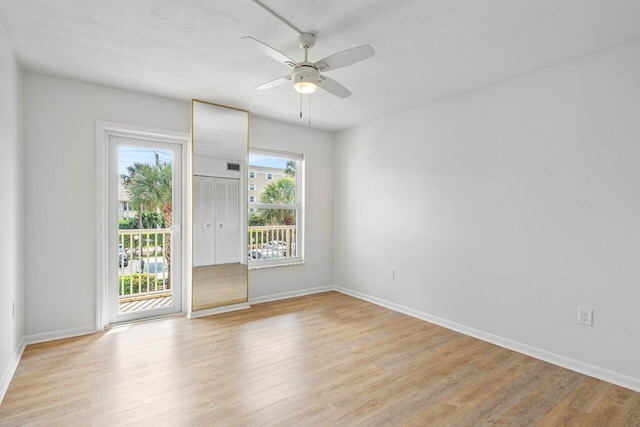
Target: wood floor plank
x: 324, y: 359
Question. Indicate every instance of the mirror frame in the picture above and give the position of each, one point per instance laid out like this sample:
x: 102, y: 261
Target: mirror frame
x: 244, y: 206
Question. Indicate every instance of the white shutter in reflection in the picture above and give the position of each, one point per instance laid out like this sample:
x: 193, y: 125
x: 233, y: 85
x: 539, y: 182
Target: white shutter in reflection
x: 197, y: 221
x: 216, y: 221
x: 208, y: 217
x: 227, y: 244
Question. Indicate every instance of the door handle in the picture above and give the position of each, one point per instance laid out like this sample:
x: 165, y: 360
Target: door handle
x: 220, y: 225
x: 208, y: 225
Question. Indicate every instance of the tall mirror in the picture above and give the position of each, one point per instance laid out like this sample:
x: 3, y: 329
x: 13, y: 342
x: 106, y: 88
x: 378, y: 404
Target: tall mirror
x: 220, y: 147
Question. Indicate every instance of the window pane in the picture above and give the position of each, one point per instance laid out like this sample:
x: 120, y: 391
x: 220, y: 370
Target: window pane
x: 275, y: 179
x: 272, y: 234
x: 274, y: 213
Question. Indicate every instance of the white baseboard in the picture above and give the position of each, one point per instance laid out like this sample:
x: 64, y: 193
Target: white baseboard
x: 7, y: 376
x: 218, y: 310
x: 291, y: 294
x: 59, y: 335
x: 566, y: 362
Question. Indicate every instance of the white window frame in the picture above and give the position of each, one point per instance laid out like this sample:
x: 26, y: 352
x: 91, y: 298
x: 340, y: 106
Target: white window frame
x: 298, y: 205
x: 252, y: 187
x: 269, y: 176
x: 252, y: 199
x: 252, y: 174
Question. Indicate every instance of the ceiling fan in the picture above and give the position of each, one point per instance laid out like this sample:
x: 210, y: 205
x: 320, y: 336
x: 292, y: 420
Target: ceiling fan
x: 307, y: 76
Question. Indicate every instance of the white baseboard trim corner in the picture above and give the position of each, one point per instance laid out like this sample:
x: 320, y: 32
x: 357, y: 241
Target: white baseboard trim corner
x: 218, y: 310
x: 290, y: 294
x: 7, y: 376
x: 607, y: 375
x: 59, y: 335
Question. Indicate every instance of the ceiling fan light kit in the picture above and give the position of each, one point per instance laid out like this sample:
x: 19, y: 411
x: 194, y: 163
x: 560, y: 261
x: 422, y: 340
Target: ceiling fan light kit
x: 305, y: 79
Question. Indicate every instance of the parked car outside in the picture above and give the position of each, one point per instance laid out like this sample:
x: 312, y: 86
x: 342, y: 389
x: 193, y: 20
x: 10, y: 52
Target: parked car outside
x: 277, y: 245
x: 123, y: 258
x: 159, y: 268
x: 259, y: 254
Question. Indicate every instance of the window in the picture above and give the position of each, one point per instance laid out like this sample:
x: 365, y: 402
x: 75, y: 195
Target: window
x: 252, y: 174
x: 252, y: 187
x: 276, y: 212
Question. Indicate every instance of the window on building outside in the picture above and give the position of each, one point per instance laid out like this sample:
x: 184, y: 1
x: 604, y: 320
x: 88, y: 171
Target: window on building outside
x: 252, y: 187
x: 275, y: 213
x: 252, y: 174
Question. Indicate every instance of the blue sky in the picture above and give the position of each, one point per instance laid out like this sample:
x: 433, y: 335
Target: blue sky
x: 269, y: 162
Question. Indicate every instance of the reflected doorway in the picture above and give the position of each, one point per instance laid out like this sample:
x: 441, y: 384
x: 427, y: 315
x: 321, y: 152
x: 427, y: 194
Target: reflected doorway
x: 219, y: 277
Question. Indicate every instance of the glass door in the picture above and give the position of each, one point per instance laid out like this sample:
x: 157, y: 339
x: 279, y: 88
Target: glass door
x: 145, y: 229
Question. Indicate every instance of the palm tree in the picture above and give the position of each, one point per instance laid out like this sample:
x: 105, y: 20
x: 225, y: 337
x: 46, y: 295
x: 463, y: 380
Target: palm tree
x: 150, y: 189
x: 281, y: 192
x: 290, y: 169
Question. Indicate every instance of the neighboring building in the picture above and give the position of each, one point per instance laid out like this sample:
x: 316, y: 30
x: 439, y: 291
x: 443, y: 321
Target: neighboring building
x: 125, y: 208
x: 259, y: 178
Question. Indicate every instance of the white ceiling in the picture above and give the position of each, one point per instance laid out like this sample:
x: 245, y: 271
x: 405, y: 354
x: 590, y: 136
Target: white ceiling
x: 427, y: 50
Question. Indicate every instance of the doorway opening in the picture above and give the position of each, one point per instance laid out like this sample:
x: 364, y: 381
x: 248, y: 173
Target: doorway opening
x: 140, y: 249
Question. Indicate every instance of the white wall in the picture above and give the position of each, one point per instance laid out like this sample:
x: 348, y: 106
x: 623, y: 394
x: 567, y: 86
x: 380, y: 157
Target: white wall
x: 317, y: 147
x: 11, y: 212
x: 60, y: 116
x: 505, y: 209
x: 60, y: 185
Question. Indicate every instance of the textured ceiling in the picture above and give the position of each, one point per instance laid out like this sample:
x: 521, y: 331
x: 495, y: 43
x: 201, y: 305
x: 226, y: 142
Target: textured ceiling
x: 427, y: 50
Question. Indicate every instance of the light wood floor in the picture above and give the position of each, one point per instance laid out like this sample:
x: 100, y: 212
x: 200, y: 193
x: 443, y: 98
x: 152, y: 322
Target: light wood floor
x: 218, y: 285
x: 326, y: 359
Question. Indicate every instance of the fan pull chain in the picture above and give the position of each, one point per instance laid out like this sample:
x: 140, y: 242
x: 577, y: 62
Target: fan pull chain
x: 309, y: 110
x: 300, y: 104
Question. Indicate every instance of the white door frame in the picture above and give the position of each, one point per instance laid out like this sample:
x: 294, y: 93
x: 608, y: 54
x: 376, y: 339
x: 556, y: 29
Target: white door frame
x: 104, y: 130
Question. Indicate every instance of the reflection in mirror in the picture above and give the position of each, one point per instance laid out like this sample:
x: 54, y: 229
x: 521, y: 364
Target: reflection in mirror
x: 220, y: 141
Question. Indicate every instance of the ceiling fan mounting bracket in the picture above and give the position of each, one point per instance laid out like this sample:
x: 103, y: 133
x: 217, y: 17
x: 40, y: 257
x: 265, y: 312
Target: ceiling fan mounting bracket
x: 307, y: 40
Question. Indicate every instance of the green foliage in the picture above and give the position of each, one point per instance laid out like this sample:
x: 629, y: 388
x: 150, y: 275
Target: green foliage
x: 152, y: 220
x: 128, y: 224
x: 256, y: 220
x: 282, y: 191
x: 291, y: 169
x: 150, y: 190
x: 141, y: 283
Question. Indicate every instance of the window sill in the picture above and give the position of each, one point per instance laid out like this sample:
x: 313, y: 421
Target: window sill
x: 260, y: 266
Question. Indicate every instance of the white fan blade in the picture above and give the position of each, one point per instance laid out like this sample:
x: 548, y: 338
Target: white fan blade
x: 346, y: 57
x: 275, y: 82
x: 269, y: 51
x: 333, y: 87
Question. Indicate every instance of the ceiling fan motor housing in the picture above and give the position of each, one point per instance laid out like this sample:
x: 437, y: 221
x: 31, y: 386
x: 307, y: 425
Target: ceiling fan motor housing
x: 306, y: 74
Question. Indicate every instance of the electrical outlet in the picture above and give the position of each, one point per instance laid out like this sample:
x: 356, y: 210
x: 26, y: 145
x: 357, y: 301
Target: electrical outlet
x: 315, y: 263
x: 392, y: 273
x: 585, y: 316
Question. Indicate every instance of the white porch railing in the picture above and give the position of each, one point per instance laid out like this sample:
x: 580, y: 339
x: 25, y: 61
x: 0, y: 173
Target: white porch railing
x: 144, y: 270
x: 272, y: 241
